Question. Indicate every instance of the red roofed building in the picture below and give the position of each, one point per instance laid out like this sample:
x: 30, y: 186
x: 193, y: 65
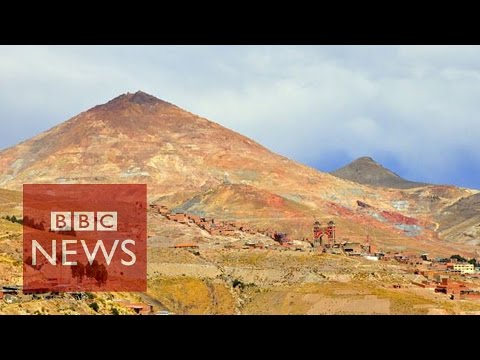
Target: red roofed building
x: 448, y: 286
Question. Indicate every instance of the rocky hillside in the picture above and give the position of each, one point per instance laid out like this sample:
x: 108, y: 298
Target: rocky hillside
x: 461, y: 221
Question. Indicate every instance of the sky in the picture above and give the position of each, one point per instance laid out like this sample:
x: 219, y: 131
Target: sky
x: 412, y: 108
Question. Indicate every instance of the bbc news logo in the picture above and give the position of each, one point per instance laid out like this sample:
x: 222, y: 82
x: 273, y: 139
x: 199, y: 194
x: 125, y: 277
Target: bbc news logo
x: 84, y: 221
x: 61, y: 221
x: 85, y: 237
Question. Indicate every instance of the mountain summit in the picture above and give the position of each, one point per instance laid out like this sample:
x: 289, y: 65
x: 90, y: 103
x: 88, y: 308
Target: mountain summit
x: 139, y: 98
x: 367, y: 171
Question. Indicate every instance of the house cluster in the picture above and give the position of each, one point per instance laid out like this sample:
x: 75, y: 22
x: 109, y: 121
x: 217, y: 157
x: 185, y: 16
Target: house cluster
x: 443, y: 284
x: 455, y: 267
x: 403, y: 258
x: 448, y: 265
x: 211, y: 225
x: 436, y: 274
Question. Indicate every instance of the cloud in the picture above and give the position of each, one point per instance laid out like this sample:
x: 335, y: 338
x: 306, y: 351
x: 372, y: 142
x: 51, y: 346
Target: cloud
x: 412, y: 107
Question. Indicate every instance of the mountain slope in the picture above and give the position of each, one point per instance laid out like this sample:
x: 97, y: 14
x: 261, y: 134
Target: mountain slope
x: 460, y: 211
x: 461, y: 220
x: 367, y: 171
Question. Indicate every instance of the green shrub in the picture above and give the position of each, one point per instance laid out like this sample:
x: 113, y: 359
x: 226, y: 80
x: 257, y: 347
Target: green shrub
x: 94, y: 306
x: 115, y: 311
x: 237, y: 283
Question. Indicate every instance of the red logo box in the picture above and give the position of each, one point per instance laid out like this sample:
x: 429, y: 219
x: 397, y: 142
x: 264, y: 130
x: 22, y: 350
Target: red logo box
x: 85, y: 237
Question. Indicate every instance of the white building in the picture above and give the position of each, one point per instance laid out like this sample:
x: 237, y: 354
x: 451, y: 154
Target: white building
x: 464, y: 268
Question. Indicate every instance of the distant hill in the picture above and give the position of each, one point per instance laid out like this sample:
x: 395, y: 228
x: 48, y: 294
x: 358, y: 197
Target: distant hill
x: 367, y: 171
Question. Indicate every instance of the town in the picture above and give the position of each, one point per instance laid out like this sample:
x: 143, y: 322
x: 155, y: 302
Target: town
x: 455, y: 277
x: 452, y: 276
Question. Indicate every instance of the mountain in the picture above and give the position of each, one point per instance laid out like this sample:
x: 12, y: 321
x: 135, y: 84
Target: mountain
x: 197, y: 165
x: 367, y: 171
x: 139, y: 138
